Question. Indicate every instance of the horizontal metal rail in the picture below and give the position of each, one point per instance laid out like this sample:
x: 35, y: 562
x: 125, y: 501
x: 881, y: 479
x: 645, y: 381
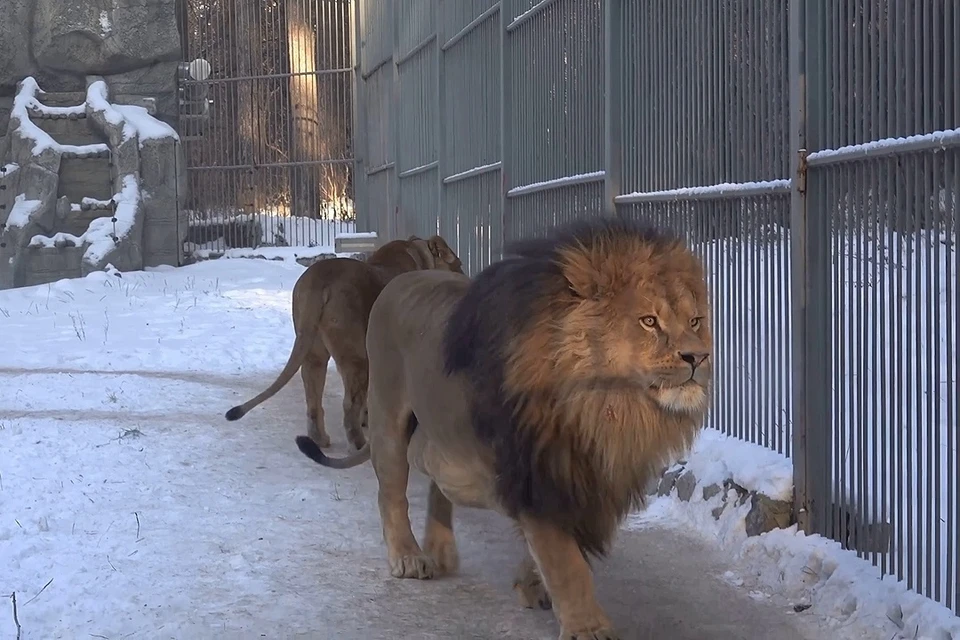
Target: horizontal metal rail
x: 472, y: 173
x: 936, y: 141
x: 558, y: 183
x: 711, y: 192
x: 473, y: 24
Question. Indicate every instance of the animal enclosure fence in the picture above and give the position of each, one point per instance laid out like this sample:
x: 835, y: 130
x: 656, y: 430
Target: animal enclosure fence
x: 266, y: 119
x: 808, y: 151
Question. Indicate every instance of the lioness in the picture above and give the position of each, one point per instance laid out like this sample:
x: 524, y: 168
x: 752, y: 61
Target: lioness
x: 550, y: 389
x: 331, y: 305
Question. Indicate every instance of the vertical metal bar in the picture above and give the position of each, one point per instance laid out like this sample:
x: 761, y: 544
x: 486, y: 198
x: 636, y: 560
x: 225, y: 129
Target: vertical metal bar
x: 361, y: 202
x: 933, y: 391
x: 439, y: 130
x: 506, y: 133
x: 612, y: 80
x: 810, y: 258
x: 952, y: 317
x: 394, y: 226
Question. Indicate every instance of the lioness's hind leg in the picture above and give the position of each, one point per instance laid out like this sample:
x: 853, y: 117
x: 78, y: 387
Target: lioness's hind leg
x: 529, y: 585
x: 438, y: 541
x: 355, y: 378
x: 314, y: 374
x: 388, y: 454
x: 569, y: 582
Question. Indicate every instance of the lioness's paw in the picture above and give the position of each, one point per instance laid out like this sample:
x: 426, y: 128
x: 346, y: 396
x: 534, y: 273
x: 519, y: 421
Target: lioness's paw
x: 445, y: 555
x: 597, y: 634
x: 531, y: 592
x: 320, y: 437
x: 421, y: 567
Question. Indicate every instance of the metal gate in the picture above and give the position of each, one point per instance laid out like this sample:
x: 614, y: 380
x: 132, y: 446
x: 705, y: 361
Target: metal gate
x: 266, y: 120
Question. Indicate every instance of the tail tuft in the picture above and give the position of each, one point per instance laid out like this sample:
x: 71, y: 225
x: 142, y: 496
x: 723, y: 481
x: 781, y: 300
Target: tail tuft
x: 310, y: 449
x: 235, y: 413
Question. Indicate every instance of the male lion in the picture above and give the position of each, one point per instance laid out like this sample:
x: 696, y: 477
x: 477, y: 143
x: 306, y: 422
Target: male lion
x: 550, y: 389
x: 331, y: 305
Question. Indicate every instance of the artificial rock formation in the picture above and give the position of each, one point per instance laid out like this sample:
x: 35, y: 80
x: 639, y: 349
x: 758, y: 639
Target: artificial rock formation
x: 86, y: 182
x: 134, y: 45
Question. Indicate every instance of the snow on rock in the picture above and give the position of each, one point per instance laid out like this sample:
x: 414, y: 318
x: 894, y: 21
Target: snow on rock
x: 97, y: 101
x: 146, y: 126
x: 22, y: 210
x: 103, y: 234
x: 810, y: 572
x: 716, y: 457
x: 8, y: 169
x: 106, y: 25
x: 26, y: 99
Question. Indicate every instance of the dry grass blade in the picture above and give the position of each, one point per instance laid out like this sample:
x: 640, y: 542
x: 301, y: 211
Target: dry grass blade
x: 39, y: 592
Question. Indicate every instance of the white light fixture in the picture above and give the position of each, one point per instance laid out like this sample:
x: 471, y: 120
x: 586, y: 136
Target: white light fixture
x: 199, y: 69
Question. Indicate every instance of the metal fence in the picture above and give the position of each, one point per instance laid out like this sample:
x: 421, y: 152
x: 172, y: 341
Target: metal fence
x: 794, y: 144
x: 266, y: 119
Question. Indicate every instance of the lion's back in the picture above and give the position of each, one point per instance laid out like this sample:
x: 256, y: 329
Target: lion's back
x: 414, y: 306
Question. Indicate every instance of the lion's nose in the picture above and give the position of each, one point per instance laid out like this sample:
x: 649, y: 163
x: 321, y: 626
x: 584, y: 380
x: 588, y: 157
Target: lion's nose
x: 693, y: 358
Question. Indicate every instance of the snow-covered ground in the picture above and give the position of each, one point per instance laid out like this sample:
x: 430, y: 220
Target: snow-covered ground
x: 850, y: 595
x: 130, y: 508
x: 894, y: 376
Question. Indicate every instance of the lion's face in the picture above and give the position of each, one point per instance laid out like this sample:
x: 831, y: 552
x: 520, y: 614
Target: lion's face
x: 651, y: 331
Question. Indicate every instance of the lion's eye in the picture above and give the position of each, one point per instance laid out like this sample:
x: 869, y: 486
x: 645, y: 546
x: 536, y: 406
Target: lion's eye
x: 695, y: 322
x: 649, y: 321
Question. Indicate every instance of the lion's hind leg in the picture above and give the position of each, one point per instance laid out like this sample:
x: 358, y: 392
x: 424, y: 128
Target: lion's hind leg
x: 439, y: 541
x: 314, y: 374
x: 355, y: 374
x: 388, y: 454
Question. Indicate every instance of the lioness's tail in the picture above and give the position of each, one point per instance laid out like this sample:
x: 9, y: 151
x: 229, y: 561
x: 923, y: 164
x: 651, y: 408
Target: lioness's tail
x: 300, y: 346
x: 310, y: 449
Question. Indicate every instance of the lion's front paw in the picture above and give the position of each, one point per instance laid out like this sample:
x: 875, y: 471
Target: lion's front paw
x: 531, y: 592
x: 606, y: 633
x: 421, y: 567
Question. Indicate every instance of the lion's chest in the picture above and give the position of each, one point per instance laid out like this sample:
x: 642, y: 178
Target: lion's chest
x: 463, y: 477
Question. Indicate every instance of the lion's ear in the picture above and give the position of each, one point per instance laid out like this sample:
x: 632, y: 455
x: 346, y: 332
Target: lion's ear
x: 440, y: 249
x: 584, y: 280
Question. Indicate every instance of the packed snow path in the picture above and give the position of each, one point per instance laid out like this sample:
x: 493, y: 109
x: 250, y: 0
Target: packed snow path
x: 193, y: 527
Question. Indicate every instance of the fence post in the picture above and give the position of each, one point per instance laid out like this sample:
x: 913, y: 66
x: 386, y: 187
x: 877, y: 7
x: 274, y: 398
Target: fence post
x: 505, y: 100
x: 441, y: 161
x: 361, y: 207
x: 612, y: 80
x: 394, y: 219
x: 810, y: 260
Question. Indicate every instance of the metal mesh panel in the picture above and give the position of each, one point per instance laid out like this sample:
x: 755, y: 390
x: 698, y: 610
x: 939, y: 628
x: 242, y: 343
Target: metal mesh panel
x: 471, y: 219
x: 705, y: 88
x: 471, y: 73
x: 884, y: 197
x: 556, y: 74
x: 267, y: 127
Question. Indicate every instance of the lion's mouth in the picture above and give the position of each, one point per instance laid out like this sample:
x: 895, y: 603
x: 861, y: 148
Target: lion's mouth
x: 687, y: 397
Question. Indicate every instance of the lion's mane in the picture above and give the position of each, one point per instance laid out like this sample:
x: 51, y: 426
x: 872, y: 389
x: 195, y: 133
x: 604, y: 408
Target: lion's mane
x: 574, y: 453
